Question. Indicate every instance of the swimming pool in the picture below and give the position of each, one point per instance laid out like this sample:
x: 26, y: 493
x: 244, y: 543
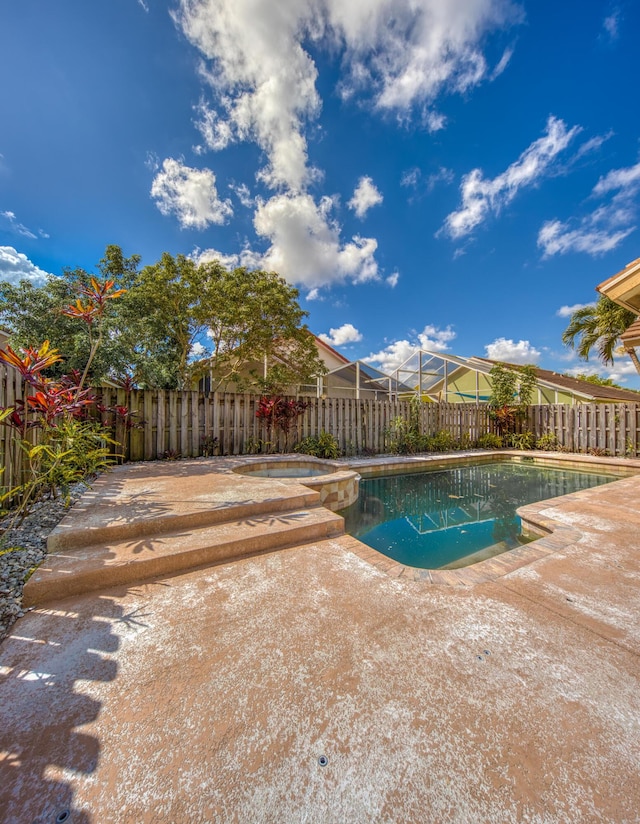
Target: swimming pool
x: 458, y: 516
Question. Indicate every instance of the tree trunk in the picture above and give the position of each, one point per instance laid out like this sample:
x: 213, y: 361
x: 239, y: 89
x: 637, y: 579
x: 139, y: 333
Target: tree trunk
x: 634, y: 357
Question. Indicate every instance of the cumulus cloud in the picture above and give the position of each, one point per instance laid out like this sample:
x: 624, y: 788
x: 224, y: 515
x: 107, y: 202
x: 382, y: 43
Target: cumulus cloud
x: 482, y: 196
x: 246, y: 258
x: 432, y: 339
x: 16, y: 266
x: 397, y: 53
x: 313, y: 294
x: 606, y: 226
x: 305, y: 242
x: 505, y: 349
x: 393, y: 279
x: 365, y: 196
x: 190, y: 194
x: 567, y: 311
x: 347, y: 333
x: 198, y: 350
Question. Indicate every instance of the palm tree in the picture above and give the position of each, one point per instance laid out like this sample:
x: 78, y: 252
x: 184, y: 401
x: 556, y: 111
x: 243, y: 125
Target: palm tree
x: 600, y: 326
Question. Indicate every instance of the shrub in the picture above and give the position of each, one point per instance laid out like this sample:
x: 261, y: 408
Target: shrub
x: 490, y: 441
x: 547, y: 442
x: 323, y: 445
x: 520, y: 440
x: 442, y: 441
x: 402, y: 437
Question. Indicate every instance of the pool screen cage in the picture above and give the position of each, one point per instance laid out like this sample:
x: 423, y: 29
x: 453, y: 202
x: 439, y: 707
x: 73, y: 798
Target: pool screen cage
x: 432, y: 377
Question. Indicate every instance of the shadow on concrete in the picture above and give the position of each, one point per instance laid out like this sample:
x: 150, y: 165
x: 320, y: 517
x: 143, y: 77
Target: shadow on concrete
x: 43, y: 709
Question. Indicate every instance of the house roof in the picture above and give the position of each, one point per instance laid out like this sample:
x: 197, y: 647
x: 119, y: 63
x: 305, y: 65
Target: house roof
x: 623, y: 288
x: 631, y: 336
x: 577, y: 386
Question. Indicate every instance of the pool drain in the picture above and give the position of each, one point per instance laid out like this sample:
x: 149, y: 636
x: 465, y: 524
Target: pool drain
x: 65, y: 815
x: 323, y: 760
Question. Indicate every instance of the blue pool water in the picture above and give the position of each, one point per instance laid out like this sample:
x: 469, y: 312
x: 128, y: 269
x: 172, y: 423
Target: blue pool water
x: 458, y: 516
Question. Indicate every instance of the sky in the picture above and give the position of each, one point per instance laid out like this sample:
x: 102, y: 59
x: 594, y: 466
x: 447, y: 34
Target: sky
x: 451, y: 174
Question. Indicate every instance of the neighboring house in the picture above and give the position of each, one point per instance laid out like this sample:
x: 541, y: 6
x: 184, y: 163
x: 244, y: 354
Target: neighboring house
x: 344, y: 378
x: 455, y: 379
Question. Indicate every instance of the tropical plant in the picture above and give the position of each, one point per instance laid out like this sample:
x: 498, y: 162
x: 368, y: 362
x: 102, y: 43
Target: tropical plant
x: 278, y: 414
x: 512, y: 390
x: 402, y: 437
x: 547, y: 442
x: 599, y: 326
x: 70, y: 445
x: 323, y: 445
x: 489, y: 441
x: 521, y: 440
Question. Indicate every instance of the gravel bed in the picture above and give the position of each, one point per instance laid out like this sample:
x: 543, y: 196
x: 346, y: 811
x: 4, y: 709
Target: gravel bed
x: 25, y: 547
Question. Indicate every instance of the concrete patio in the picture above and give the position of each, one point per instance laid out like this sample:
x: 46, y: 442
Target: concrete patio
x: 210, y: 695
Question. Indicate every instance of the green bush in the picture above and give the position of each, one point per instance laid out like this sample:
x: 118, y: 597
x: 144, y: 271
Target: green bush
x: 323, y: 445
x: 442, y: 441
x: 521, y: 440
x: 402, y: 438
x: 547, y: 442
x: 490, y: 441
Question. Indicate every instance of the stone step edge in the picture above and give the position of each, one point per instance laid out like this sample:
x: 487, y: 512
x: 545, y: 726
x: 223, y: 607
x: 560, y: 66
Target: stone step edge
x: 51, y: 584
x: 66, y: 535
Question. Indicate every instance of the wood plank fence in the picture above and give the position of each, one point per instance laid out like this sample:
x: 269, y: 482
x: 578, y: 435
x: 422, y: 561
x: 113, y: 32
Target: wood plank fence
x: 182, y: 423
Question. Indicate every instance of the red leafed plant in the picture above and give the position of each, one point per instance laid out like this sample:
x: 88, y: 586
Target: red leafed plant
x: 72, y: 443
x: 279, y: 413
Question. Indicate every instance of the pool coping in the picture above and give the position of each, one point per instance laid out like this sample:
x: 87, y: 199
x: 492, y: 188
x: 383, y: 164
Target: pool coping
x: 554, y: 535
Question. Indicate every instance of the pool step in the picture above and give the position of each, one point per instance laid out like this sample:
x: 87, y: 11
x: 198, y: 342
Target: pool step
x: 140, y: 515
x: 99, y: 566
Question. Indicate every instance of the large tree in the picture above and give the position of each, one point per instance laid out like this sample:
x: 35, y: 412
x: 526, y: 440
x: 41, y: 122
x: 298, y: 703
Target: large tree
x: 599, y: 326
x: 33, y: 314
x: 248, y: 323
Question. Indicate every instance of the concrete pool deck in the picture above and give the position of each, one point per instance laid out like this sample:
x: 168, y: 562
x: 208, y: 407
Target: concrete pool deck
x: 211, y: 695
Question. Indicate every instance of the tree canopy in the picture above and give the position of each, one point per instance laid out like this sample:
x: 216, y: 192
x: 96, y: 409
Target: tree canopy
x: 177, y: 320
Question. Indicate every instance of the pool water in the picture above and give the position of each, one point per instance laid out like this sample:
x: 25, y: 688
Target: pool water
x: 455, y: 517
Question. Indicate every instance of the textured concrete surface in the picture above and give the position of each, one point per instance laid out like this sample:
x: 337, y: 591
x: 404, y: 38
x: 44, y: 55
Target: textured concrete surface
x: 210, y: 696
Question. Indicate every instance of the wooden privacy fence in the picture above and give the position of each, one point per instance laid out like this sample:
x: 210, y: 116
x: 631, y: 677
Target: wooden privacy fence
x: 585, y: 427
x: 172, y: 424
x: 180, y: 423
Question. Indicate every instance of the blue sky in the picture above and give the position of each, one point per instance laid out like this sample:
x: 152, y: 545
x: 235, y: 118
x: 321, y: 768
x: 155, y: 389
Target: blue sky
x: 445, y: 173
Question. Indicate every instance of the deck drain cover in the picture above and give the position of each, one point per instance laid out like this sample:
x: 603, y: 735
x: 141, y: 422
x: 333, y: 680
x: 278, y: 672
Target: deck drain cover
x: 323, y: 760
x: 65, y: 815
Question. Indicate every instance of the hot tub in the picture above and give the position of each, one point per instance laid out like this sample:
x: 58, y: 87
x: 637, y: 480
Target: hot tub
x: 337, y: 485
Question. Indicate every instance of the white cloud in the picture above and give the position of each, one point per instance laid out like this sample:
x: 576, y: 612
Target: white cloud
x: 567, y: 311
x: 18, y: 228
x: 399, y: 53
x: 313, y: 294
x: 144, y: 5
x: 618, y: 372
x: 306, y: 246
x: 16, y: 266
x: 504, y: 349
x: 365, y: 196
x: 243, y: 194
x: 392, y: 280
x: 611, y: 25
x: 411, y: 177
x: 503, y: 63
x: 443, y: 175
x: 190, y: 194
x: 152, y: 162
x: 606, y: 226
x: 197, y: 350
x: 482, y: 196
x: 347, y: 333
x: 246, y: 258
x: 432, y: 338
